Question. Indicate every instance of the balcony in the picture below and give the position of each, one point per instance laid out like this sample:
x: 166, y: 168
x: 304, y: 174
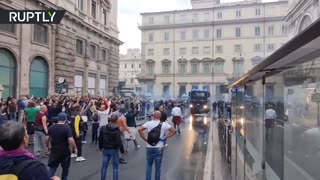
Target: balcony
x: 146, y: 77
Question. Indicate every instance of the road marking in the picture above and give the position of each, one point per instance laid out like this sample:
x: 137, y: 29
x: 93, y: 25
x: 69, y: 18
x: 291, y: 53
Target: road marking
x: 298, y: 168
x: 208, y: 163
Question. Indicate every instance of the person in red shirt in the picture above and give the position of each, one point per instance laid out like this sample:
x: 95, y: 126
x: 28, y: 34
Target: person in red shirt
x: 40, y: 131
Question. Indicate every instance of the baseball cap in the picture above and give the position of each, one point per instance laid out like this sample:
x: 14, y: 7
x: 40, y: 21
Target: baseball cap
x: 62, y: 117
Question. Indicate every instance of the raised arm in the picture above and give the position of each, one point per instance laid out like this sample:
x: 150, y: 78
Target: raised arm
x: 87, y: 108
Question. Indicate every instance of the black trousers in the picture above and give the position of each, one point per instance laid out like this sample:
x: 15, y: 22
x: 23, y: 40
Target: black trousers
x: 78, y: 141
x: 95, y: 127
x: 62, y: 158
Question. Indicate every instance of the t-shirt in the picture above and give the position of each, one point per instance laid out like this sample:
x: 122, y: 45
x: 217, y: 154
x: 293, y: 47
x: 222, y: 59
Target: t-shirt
x: 164, y: 128
x: 31, y: 114
x: 271, y: 114
x: 12, y: 107
x: 103, y: 117
x: 176, y: 111
x: 59, y: 135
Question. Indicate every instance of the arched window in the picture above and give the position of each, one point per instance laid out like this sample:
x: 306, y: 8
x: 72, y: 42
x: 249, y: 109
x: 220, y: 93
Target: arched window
x: 305, y: 22
x: 7, y: 73
x: 38, y: 77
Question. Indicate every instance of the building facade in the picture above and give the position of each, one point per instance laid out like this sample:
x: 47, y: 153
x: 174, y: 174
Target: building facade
x: 129, y: 69
x: 302, y: 13
x: 83, y: 49
x: 209, y: 45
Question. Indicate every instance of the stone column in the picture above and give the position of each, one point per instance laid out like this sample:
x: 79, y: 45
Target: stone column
x: 65, y: 55
x: 113, y: 68
x: 86, y: 69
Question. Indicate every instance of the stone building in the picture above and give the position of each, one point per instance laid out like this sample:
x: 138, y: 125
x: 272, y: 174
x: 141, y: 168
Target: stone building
x: 208, y: 46
x: 302, y: 13
x: 83, y: 49
x: 129, y: 69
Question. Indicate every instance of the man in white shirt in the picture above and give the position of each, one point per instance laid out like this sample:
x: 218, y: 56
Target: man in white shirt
x: 155, y: 153
x: 271, y: 116
x: 177, y: 116
x: 103, y: 114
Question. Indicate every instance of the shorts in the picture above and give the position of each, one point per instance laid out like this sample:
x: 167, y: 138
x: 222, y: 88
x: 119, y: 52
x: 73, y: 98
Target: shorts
x: 56, y: 158
x: 269, y: 123
x: 176, y: 120
x: 133, y: 132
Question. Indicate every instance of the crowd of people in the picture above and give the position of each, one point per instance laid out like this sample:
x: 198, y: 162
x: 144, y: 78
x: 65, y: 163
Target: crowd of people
x: 57, y: 127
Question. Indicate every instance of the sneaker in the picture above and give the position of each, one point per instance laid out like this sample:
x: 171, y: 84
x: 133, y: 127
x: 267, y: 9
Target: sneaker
x: 138, y: 147
x: 122, y: 161
x: 80, y: 159
x: 84, y: 142
x: 166, y: 145
x: 73, y: 155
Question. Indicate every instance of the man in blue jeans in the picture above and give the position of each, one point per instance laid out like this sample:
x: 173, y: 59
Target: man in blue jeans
x: 109, y: 144
x: 155, y: 151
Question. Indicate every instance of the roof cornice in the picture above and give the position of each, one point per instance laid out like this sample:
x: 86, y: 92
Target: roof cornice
x: 216, y: 8
x: 211, y: 23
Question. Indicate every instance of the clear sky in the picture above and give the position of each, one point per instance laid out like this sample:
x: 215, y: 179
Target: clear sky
x: 129, y: 17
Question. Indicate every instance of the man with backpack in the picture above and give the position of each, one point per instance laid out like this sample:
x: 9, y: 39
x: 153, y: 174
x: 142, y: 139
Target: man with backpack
x: 157, y: 136
x: 15, y: 161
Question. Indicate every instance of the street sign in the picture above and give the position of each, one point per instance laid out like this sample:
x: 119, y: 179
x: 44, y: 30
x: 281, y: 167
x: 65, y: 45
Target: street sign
x: 315, y: 97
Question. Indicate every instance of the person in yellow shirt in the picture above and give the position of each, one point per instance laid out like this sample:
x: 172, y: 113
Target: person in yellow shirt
x: 76, y: 127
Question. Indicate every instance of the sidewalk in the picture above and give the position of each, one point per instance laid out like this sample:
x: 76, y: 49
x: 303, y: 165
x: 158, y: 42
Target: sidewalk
x: 215, y: 167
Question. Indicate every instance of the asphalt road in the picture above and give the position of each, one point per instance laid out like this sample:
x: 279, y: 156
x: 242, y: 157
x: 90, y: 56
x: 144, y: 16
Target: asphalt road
x: 183, y: 158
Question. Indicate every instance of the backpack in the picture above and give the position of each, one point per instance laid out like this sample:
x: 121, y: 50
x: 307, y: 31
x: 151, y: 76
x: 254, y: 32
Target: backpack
x: 154, y: 135
x: 14, y: 171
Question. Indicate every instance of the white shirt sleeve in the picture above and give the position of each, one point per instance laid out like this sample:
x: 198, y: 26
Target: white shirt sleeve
x: 146, y: 125
x: 166, y: 126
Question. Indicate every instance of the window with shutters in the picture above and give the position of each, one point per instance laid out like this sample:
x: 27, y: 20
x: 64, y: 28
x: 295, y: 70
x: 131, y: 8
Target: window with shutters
x: 94, y: 9
x: 79, y: 47
x: 257, y: 31
x: 93, y: 51
x: 11, y: 28
x: 183, y: 51
x: 195, y: 50
x: 219, y: 49
x: 238, y: 32
x: 237, y: 48
x: 40, y: 33
x: 195, y: 35
x: 219, y: 33
x: 166, y: 51
x: 150, y: 52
